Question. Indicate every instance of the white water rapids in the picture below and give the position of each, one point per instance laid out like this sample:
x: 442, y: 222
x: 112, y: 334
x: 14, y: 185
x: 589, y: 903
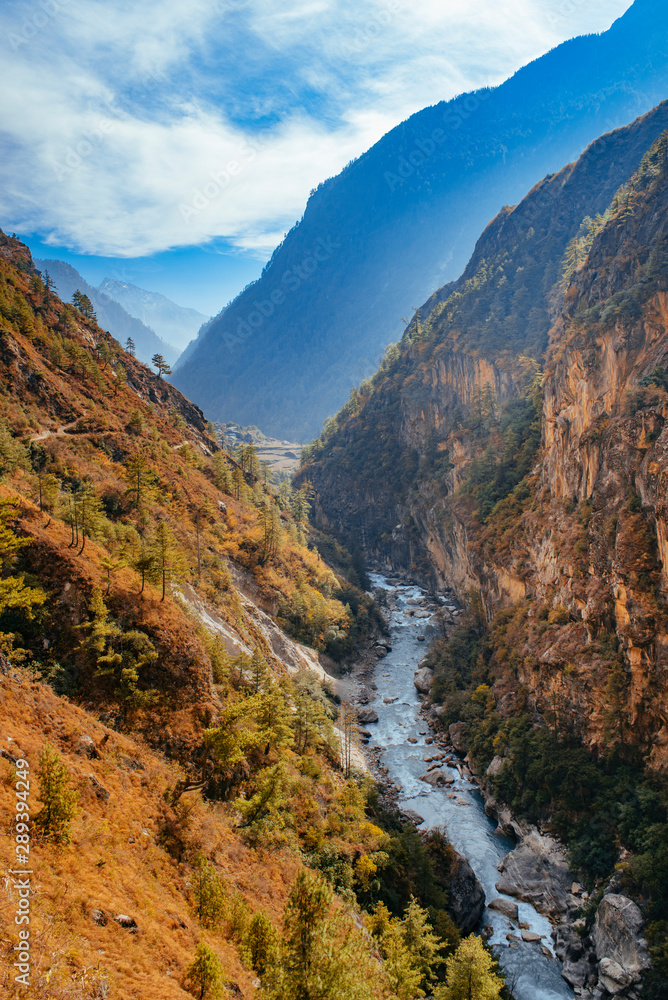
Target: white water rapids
x: 457, y: 809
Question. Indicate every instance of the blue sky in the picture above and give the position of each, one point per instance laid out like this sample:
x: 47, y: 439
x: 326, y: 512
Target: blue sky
x: 173, y: 144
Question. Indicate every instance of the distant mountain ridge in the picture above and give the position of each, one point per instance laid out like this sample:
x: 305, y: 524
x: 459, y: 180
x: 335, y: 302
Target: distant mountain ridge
x: 110, y: 314
x: 173, y: 323
x: 403, y: 219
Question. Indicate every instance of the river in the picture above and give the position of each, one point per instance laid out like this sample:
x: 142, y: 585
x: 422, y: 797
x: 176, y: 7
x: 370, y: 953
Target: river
x: 458, y: 809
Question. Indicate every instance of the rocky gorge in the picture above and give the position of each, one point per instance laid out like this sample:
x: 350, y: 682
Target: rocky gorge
x: 595, y: 940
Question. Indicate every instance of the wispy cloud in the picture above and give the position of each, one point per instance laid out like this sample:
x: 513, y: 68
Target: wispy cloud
x: 129, y: 128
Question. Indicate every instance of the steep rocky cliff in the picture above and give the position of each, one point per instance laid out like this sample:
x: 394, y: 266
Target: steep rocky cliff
x: 480, y: 456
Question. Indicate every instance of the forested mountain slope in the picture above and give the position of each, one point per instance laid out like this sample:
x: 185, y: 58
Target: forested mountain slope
x: 160, y: 608
x: 402, y: 219
x: 176, y: 324
x: 110, y: 313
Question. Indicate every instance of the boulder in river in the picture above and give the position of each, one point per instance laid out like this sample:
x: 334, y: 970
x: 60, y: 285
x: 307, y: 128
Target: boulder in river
x: 437, y: 779
x: 467, y: 899
x: 537, y: 873
x: 423, y: 679
x: 505, y: 906
x: 413, y: 816
x: 531, y: 936
x: 366, y: 715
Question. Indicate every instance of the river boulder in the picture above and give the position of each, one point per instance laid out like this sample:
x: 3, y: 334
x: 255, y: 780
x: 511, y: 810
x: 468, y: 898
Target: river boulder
x: 537, y: 872
x: 506, y: 907
x: 618, y: 938
x: 437, y: 779
x: 612, y: 977
x: 366, y: 715
x: 467, y: 899
x: 423, y: 679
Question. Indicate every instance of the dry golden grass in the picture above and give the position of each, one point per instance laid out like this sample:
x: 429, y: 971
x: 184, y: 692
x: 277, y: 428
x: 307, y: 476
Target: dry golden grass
x: 115, y: 864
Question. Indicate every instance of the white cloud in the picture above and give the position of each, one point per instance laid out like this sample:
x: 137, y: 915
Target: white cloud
x: 131, y: 127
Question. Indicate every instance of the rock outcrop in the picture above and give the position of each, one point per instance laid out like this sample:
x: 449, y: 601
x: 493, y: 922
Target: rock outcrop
x: 467, y: 898
x: 537, y: 872
x: 618, y: 940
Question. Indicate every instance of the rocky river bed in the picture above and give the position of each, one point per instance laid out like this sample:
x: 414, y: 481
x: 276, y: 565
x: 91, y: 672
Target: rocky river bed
x: 515, y: 886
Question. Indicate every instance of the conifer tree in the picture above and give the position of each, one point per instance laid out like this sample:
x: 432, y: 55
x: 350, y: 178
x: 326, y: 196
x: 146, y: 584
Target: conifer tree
x: 323, y: 957
x: 401, y: 972
x: 49, y: 286
x: 13, y: 591
x: 59, y: 799
x: 208, y: 893
x: 205, y: 975
x: 264, y: 812
x: 120, y: 377
x: 159, y: 362
x: 140, y: 479
x: 222, y: 472
x: 84, y: 305
x: 261, y: 945
x: 13, y: 454
x: 130, y: 346
x: 167, y: 561
x: 90, y: 513
x: 470, y: 974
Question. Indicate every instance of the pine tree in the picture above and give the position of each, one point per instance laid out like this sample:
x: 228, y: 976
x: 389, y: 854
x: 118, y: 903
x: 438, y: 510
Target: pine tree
x: 167, y: 562
x: 49, y: 287
x: 202, y: 514
x: 90, y: 514
x: 205, y: 975
x: 264, y: 812
x: 470, y: 974
x: 13, y: 591
x: 130, y: 346
x: 140, y: 479
x: 401, y: 973
x: 110, y: 566
x: 84, y: 305
x: 13, y: 454
x: 208, y: 892
x: 120, y: 377
x: 323, y: 957
x: 222, y: 472
x: 261, y: 946
x: 422, y: 944
x: 144, y: 562
x: 59, y: 799
x: 159, y: 362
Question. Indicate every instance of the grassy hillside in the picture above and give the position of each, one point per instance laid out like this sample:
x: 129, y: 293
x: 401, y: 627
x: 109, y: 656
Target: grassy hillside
x: 187, y: 798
